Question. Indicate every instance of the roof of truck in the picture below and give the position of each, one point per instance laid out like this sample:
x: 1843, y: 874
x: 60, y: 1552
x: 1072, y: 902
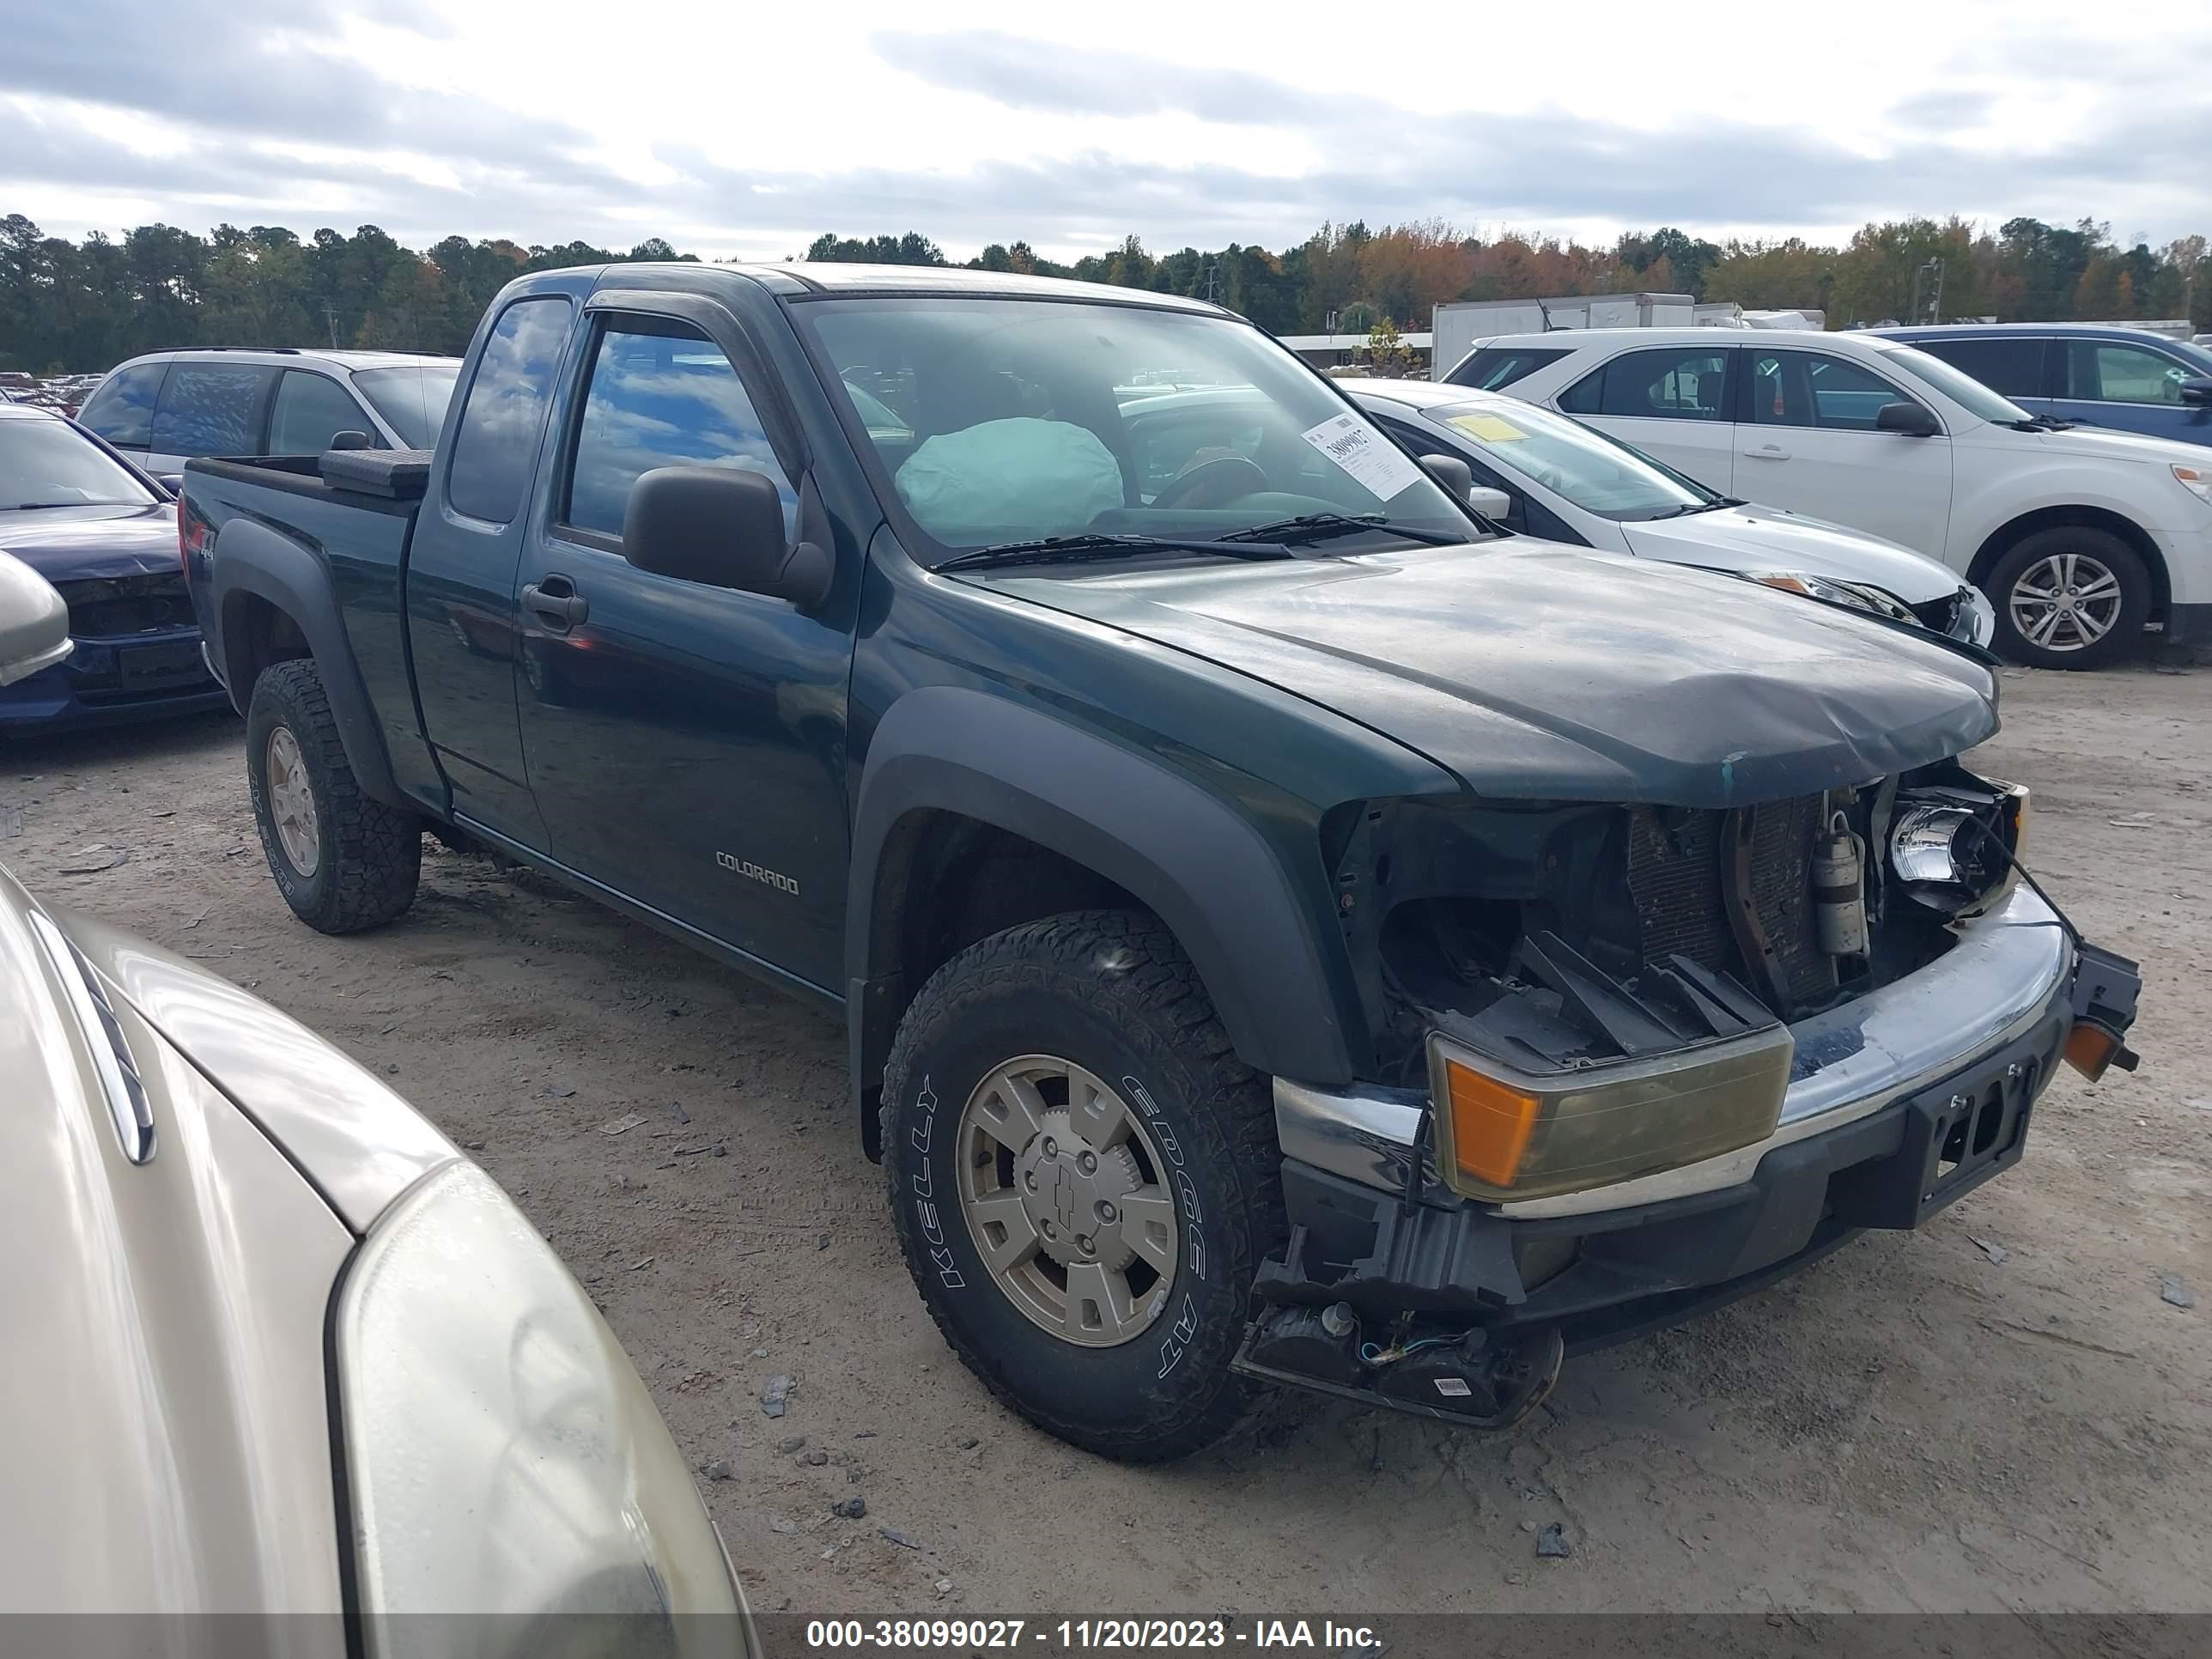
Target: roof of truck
x: 826, y: 277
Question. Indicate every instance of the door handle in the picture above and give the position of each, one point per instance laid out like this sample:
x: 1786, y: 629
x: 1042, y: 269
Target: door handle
x: 555, y: 603
x: 1767, y: 452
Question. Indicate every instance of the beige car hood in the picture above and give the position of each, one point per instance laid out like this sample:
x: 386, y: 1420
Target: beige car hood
x: 165, y: 1431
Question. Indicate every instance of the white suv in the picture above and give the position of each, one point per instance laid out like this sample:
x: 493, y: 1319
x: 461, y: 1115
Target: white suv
x: 163, y: 409
x: 2079, y: 537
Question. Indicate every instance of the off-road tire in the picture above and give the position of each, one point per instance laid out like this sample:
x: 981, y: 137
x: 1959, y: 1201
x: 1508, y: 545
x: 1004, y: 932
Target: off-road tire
x: 2123, y: 637
x: 370, y: 854
x: 1112, y: 992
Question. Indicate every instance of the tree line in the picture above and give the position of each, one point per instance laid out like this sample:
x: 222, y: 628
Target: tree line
x: 86, y: 306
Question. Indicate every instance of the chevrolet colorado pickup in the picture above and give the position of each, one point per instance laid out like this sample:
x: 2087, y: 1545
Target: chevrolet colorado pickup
x: 1287, y: 929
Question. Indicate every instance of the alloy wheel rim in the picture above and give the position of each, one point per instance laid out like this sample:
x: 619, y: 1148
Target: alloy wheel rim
x: 2065, y: 602
x: 1061, y: 1188
x: 292, y: 802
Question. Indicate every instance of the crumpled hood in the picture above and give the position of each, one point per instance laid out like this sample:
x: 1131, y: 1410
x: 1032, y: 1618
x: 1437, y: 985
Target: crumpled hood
x: 75, y: 543
x: 1537, y: 671
x: 1761, y: 538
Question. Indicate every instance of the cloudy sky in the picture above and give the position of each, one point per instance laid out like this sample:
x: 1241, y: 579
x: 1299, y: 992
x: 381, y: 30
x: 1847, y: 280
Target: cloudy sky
x: 743, y: 128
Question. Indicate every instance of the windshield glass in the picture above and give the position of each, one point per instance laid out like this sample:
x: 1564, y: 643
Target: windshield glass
x: 1960, y: 387
x: 412, y: 398
x: 1598, y: 474
x: 52, y: 464
x: 1005, y: 420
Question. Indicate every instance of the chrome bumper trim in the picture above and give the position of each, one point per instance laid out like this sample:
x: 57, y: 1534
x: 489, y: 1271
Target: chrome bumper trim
x: 1988, y: 988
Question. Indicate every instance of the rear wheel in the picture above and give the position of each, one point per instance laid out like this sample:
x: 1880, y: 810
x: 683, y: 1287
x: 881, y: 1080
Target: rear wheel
x: 2069, y: 597
x: 342, y: 861
x: 1084, y: 1179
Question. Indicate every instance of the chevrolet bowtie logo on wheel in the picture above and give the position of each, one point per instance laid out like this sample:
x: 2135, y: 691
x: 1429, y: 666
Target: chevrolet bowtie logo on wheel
x: 769, y: 878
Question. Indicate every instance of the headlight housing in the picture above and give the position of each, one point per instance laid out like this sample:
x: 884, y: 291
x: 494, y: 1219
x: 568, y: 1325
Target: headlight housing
x: 1955, y: 849
x: 2196, y: 480
x: 1506, y: 1132
x: 501, y: 1456
x: 1860, y: 596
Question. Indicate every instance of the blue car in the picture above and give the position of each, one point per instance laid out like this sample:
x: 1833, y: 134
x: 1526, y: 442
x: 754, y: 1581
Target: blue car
x: 105, y: 535
x: 2128, y: 379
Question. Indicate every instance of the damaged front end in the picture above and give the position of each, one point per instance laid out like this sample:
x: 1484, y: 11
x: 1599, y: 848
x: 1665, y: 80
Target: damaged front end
x: 1637, y: 1058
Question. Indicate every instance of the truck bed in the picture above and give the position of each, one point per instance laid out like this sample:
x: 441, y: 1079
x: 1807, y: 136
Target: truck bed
x: 293, y: 517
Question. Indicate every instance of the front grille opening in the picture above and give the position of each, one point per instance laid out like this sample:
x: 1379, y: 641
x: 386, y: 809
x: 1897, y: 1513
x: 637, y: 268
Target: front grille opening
x: 1953, y: 1151
x: 114, y: 607
x: 1990, y: 1121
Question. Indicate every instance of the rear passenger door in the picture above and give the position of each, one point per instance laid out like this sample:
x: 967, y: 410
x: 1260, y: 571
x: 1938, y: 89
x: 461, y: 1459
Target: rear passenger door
x: 685, y: 742
x: 1811, y: 446
x: 1671, y: 402
x: 208, y: 409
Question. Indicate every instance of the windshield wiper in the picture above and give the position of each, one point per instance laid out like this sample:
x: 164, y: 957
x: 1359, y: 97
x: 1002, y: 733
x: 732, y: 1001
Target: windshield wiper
x: 41, y: 507
x: 1046, y: 550
x: 2043, y: 423
x: 1321, y: 526
x: 1688, y: 507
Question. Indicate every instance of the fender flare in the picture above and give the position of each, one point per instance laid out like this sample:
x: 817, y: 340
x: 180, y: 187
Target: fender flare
x: 258, y: 561
x: 1200, y: 866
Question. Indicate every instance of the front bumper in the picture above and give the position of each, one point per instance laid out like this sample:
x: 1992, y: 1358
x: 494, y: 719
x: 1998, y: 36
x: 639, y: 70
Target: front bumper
x: 1899, y: 1102
x: 106, y: 681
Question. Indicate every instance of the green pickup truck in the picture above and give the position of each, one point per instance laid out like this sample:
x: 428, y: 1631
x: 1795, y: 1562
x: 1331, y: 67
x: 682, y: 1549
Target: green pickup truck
x: 1289, y: 930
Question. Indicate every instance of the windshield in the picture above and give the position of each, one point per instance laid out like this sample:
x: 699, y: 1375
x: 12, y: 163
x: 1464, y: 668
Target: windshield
x: 1960, y: 387
x: 52, y: 464
x: 999, y: 422
x: 1597, y: 473
x: 411, y: 399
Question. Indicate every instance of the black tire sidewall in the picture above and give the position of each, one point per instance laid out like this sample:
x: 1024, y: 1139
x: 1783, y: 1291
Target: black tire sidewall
x: 1122, y: 1401
x: 2123, y: 560
x: 273, y: 706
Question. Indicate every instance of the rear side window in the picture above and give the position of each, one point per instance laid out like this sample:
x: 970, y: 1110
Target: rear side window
x: 2010, y: 367
x: 122, y: 410
x: 1494, y: 368
x: 310, y: 410
x: 496, y: 444
x: 661, y: 394
x: 211, y: 409
x: 1669, y: 383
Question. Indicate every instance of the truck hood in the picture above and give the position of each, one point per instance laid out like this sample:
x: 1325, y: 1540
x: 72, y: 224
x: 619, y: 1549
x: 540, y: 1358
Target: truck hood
x: 77, y: 543
x: 1536, y: 671
x: 1762, y: 538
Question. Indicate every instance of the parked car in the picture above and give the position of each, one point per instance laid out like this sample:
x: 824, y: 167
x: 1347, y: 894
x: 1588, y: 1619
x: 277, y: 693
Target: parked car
x: 2128, y: 379
x: 166, y: 407
x: 1284, y: 929
x: 1570, y: 482
x: 2080, y: 538
x: 106, y: 535
x: 281, y: 1348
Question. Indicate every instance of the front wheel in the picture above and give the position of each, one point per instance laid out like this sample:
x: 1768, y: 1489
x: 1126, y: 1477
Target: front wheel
x: 2069, y: 597
x: 1084, y: 1179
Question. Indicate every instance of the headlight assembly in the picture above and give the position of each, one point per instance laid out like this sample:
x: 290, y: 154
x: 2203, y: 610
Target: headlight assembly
x: 501, y: 1457
x: 1955, y: 849
x: 2196, y: 480
x: 1860, y: 596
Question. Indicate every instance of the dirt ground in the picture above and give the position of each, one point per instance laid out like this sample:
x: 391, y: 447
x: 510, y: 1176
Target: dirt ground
x: 1999, y: 1412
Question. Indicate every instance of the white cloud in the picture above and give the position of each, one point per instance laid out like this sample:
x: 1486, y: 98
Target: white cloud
x: 746, y: 130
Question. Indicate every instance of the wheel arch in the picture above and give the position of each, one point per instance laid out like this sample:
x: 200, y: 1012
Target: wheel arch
x: 2000, y: 541
x: 274, y: 602
x: 960, y: 784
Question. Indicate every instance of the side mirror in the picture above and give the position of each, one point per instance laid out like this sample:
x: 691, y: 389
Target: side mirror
x: 721, y: 526
x: 350, y: 440
x: 172, y: 482
x: 1453, y: 474
x: 35, y: 625
x: 1910, y: 419
x: 1494, y: 505
x: 2198, y: 389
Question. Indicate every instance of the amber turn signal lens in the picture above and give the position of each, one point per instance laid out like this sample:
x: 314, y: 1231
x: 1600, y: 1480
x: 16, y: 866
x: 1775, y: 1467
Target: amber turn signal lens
x: 2090, y: 1049
x: 1491, y: 1125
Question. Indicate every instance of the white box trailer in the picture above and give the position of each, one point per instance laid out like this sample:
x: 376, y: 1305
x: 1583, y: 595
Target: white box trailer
x: 1460, y: 325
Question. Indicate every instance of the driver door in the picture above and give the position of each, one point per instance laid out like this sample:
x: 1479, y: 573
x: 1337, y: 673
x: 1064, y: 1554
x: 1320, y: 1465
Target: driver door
x: 1810, y: 445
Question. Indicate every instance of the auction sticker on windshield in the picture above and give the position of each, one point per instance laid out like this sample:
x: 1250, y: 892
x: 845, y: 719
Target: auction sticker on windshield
x: 1374, y: 464
x: 1488, y: 428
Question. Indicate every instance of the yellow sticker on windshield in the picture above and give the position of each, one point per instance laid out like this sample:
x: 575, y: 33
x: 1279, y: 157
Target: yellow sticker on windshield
x: 1488, y: 428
